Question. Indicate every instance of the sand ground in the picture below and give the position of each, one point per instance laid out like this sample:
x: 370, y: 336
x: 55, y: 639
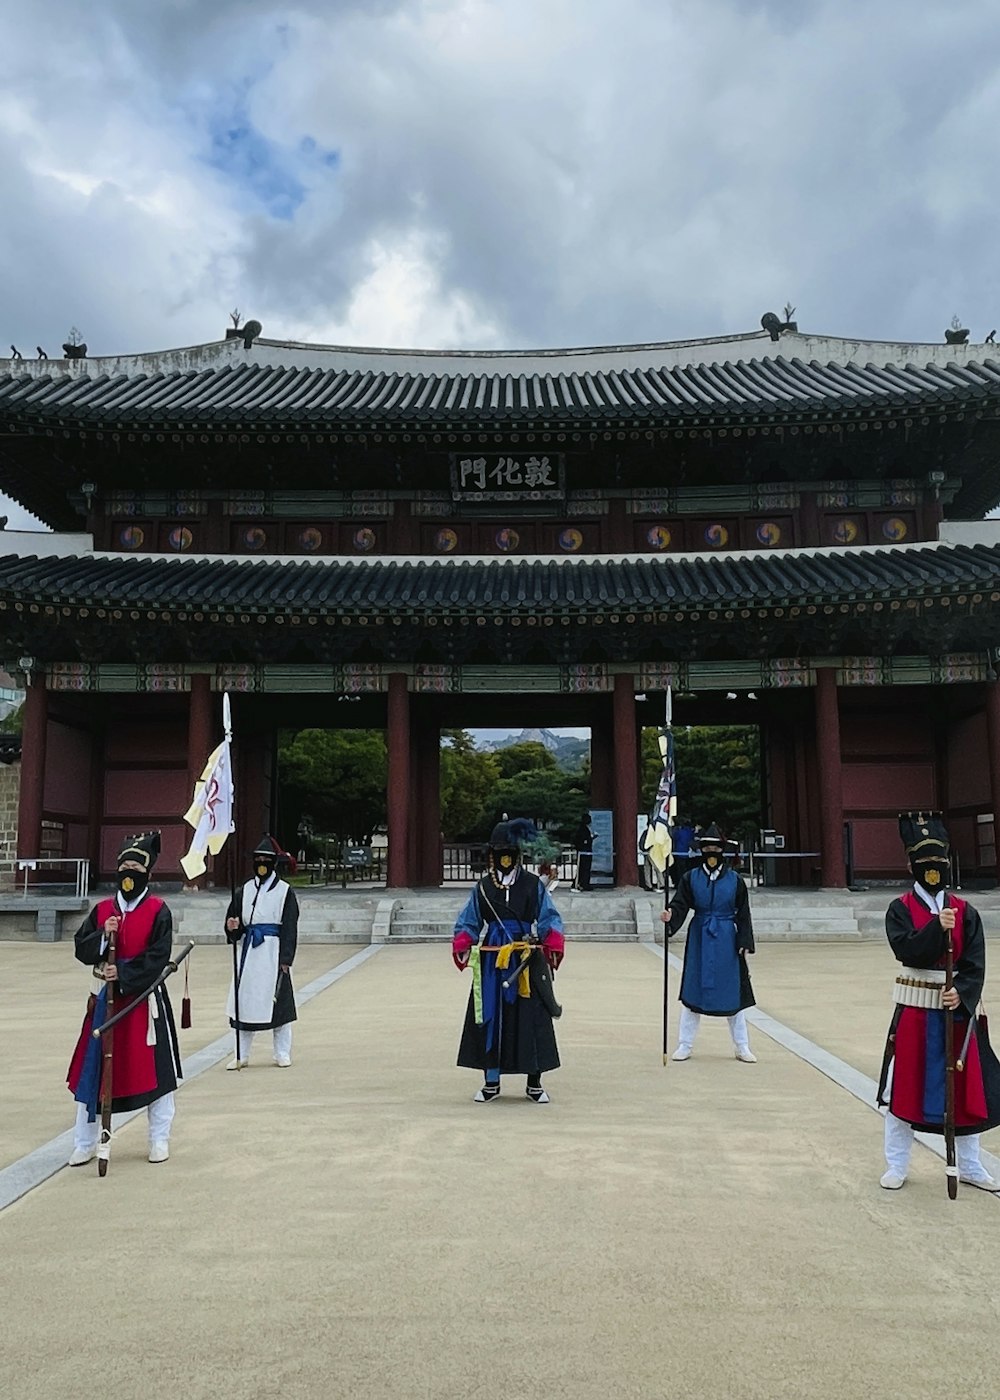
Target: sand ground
x: 354, y: 1226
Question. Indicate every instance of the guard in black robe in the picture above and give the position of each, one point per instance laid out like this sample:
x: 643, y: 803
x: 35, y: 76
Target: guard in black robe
x: 918, y: 925
x: 508, y: 1028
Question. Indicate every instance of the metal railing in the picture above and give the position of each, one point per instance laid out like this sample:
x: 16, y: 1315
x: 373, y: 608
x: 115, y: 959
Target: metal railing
x: 80, y: 876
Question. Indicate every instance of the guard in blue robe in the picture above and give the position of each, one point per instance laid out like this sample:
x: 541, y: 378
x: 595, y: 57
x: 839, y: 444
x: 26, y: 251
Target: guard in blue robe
x: 716, y: 979
x: 509, y: 1028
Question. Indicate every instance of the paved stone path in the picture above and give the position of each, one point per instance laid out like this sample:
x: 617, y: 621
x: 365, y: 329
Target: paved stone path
x: 356, y: 1227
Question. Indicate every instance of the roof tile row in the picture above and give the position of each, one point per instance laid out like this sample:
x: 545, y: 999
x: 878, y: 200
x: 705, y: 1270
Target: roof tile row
x: 772, y: 579
x: 313, y: 396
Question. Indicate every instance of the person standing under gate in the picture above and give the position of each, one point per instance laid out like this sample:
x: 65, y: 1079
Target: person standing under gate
x: 264, y: 917
x: 918, y: 926
x: 716, y: 979
x: 584, y: 842
x: 508, y: 1022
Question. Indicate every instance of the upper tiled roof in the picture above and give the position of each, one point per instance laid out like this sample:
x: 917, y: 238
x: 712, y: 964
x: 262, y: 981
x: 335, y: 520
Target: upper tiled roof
x: 277, y: 384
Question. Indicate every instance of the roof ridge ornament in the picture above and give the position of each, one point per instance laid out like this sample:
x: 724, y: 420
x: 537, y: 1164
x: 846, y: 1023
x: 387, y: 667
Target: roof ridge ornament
x: 775, y: 327
x: 248, y: 334
x: 956, y: 334
x: 74, y: 346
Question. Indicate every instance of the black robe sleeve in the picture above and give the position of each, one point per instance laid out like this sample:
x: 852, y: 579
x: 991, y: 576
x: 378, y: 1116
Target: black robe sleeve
x: 88, y: 940
x: 235, y: 911
x: 139, y: 973
x: 744, y: 923
x: 288, y: 938
x: 681, y: 904
x: 970, y: 969
x: 914, y: 947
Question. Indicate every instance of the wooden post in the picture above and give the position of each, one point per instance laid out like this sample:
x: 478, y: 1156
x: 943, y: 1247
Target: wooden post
x: 32, y: 792
x: 626, y: 781
x: 993, y: 744
x: 398, y: 799
x: 831, y: 807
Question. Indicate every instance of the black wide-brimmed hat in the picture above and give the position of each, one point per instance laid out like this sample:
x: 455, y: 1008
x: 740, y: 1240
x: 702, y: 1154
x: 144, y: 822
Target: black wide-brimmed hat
x: 511, y: 835
x: 710, y: 837
x: 924, y: 835
x: 267, y: 846
x: 143, y: 849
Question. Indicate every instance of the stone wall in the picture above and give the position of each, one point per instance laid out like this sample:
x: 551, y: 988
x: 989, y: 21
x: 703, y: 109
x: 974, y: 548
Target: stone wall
x: 10, y: 786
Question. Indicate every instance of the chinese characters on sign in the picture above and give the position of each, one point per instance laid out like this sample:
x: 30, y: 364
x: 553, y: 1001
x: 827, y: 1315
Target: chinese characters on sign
x: 507, y: 478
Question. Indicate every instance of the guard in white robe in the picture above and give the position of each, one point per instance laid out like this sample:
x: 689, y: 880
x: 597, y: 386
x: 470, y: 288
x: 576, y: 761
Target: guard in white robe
x: 263, y: 920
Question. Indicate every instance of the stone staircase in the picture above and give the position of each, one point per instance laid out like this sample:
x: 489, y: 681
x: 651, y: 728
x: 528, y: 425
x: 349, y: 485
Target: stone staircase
x: 429, y: 916
x: 374, y: 915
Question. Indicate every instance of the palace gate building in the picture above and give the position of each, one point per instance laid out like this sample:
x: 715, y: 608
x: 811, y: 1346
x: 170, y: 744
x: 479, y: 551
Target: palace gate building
x: 789, y: 532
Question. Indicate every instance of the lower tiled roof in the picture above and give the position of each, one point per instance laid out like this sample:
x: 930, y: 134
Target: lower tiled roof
x: 419, y: 587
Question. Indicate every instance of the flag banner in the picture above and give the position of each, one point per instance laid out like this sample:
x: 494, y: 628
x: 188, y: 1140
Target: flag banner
x: 211, y: 812
x: 657, y: 839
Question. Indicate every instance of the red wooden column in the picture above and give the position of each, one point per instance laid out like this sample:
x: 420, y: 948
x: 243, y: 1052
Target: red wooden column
x: 32, y: 791
x: 831, y: 809
x: 199, y: 743
x: 626, y: 780
x: 993, y: 738
x: 398, y: 783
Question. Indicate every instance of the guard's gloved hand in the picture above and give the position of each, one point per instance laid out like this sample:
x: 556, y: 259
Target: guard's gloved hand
x: 461, y: 946
x: 554, y: 948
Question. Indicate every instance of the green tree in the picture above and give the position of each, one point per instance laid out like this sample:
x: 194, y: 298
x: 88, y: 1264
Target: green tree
x: 468, y: 785
x: 552, y: 799
x: 522, y: 758
x: 336, y: 777
x: 718, y: 775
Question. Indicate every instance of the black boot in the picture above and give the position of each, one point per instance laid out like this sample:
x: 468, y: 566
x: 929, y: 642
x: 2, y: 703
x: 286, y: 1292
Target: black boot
x: 534, y: 1089
x: 487, y: 1092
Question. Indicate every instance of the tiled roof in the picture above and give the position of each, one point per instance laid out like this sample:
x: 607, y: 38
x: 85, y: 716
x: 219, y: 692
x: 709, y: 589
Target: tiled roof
x: 310, y: 398
x: 415, y: 588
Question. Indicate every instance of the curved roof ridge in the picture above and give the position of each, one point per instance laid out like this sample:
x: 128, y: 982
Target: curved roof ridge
x: 677, y: 354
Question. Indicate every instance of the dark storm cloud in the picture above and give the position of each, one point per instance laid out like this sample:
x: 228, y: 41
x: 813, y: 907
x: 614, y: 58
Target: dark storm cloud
x: 519, y: 172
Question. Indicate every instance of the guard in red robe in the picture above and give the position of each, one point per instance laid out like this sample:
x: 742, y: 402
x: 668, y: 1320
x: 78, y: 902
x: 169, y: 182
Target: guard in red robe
x: 918, y: 925
x: 146, y: 1062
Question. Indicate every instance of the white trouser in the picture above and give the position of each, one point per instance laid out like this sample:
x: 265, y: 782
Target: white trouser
x: 160, y: 1115
x: 282, y: 1042
x: 691, y: 1020
x: 899, y: 1145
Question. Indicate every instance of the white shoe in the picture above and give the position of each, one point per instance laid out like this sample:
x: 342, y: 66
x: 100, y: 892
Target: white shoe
x: 237, y: 1064
x: 159, y: 1152
x: 282, y: 1061
x: 744, y: 1053
x: 892, y: 1181
x: 984, y: 1182
x: 80, y: 1156
x: 683, y: 1052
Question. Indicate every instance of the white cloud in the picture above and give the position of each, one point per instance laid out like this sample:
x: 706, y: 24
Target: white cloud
x: 459, y: 172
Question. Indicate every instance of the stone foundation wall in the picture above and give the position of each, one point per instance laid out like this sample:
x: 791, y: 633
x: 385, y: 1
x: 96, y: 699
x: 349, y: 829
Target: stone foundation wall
x: 10, y: 787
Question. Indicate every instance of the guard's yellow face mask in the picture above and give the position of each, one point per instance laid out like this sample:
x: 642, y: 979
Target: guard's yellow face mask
x: 262, y: 872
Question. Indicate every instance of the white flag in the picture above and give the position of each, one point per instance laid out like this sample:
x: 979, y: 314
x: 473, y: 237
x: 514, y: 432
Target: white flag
x: 211, y: 812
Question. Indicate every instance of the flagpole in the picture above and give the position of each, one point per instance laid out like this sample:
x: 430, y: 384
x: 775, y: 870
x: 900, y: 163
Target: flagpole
x: 227, y: 726
x: 668, y: 717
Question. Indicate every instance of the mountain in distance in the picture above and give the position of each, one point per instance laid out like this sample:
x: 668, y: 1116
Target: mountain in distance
x: 569, y: 753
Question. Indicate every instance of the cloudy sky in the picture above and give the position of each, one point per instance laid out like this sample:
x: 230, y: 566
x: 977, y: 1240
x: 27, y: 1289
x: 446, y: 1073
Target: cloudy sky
x: 495, y: 172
